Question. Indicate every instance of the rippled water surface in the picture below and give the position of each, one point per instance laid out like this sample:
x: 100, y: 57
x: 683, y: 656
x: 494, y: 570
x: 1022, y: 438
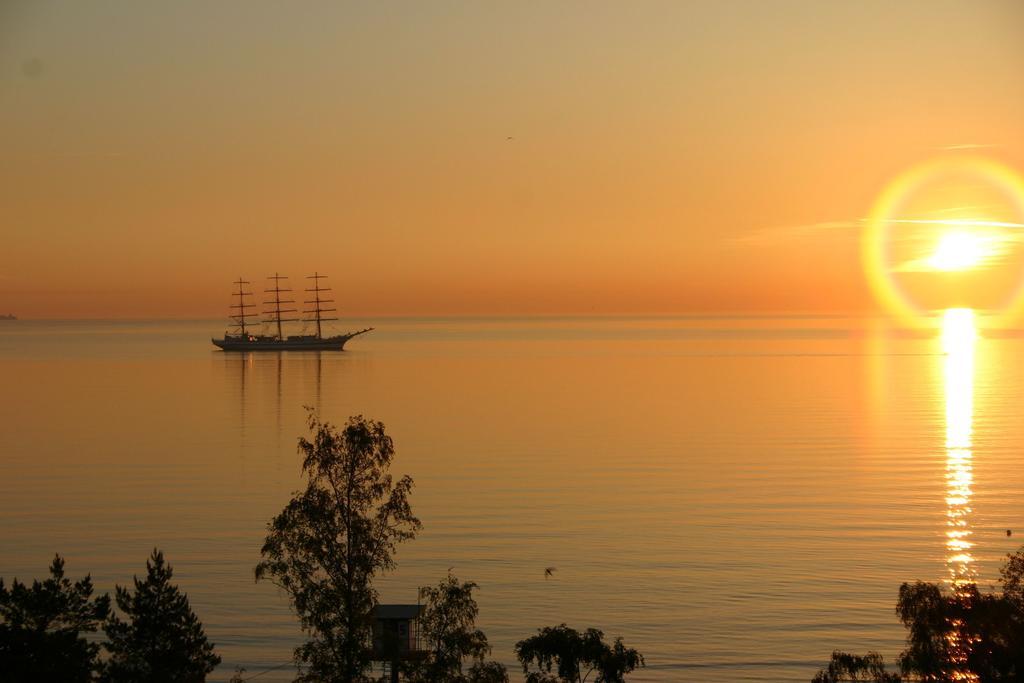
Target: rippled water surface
x: 736, y: 497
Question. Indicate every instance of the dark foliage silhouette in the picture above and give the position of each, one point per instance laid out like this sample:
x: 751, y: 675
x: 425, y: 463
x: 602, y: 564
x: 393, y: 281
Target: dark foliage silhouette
x: 447, y: 628
x: 487, y: 672
x: 962, y: 631
x: 847, y: 667
x: 562, y: 654
x: 42, y: 629
x: 956, y: 635
x: 333, y: 538
x: 160, y: 640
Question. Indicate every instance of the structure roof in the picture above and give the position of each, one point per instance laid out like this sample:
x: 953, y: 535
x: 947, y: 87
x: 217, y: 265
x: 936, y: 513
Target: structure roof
x: 397, y: 611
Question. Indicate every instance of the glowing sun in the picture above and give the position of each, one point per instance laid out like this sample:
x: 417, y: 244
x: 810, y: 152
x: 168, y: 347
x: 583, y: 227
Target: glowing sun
x: 959, y: 251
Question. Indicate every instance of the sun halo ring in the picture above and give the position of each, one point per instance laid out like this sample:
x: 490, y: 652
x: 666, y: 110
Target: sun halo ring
x: 887, y: 210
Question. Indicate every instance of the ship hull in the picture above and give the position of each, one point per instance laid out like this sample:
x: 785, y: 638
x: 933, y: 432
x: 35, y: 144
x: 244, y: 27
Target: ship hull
x: 288, y: 344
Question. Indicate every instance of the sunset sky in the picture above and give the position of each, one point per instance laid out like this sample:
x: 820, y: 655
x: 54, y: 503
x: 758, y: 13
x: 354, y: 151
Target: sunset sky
x: 480, y: 158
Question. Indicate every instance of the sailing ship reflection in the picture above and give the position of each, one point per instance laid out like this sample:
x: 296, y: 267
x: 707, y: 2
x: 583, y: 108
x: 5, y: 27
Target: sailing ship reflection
x: 293, y: 379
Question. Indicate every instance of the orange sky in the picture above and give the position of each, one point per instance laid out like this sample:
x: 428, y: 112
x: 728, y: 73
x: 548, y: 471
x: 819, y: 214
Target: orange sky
x: 665, y: 157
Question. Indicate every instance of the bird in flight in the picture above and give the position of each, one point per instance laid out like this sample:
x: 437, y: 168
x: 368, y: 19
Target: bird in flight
x: 549, y: 571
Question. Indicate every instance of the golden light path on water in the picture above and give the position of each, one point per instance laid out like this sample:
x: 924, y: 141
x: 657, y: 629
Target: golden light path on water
x: 959, y: 334
x: 958, y: 338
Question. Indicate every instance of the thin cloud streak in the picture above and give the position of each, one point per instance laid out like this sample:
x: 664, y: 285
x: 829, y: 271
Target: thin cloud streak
x: 785, y: 233
x: 957, y: 222
x: 998, y: 256
x: 781, y: 234
x: 956, y: 148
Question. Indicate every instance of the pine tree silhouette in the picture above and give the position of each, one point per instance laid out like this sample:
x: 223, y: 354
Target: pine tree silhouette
x: 161, y: 640
x: 43, y: 629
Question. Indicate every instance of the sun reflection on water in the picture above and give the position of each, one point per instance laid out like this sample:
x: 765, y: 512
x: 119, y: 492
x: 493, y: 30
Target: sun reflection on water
x: 958, y: 338
x: 959, y: 334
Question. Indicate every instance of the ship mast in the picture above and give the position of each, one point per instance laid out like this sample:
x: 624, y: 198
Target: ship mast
x: 277, y: 311
x: 317, y: 309
x: 240, y: 317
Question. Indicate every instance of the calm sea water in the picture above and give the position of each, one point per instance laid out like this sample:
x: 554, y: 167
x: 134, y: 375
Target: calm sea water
x: 736, y: 497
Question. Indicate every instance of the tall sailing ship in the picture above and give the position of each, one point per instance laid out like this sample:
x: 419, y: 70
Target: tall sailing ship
x: 241, y: 337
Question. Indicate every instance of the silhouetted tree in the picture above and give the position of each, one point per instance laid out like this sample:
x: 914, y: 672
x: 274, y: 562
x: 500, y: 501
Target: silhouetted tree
x: 161, y: 640
x: 953, y: 635
x: 447, y: 628
x: 847, y: 667
x: 574, y: 656
x: 927, y: 614
x: 42, y: 627
x: 487, y: 672
x: 331, y: 539
x: 963, y: 631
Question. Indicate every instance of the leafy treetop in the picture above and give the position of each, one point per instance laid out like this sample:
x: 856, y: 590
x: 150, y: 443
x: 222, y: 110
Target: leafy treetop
x: 575, y: 656
x: 334, y: 537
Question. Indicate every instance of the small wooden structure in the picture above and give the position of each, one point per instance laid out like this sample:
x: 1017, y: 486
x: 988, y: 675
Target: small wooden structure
x: 396, y: 635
